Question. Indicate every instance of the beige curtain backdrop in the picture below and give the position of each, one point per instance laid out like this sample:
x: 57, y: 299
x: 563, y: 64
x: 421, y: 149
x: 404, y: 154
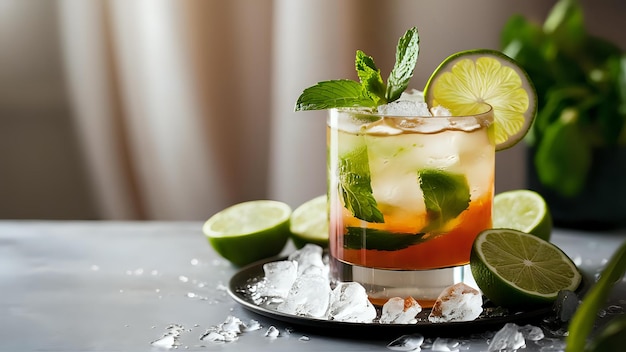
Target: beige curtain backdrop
x: 183, y: 107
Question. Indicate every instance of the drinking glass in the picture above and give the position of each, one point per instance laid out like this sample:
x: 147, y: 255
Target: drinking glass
x: 407, y: 195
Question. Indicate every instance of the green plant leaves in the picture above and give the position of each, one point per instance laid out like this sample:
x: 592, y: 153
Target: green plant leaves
x: 563, y: 157
x: 571, y: 70
x: 582, y: 323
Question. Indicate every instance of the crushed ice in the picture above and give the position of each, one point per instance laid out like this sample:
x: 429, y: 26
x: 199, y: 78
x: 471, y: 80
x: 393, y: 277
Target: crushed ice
x: 400, y: 311
x: 272, y: 332
x: 229, y: 330
x: 279, y: 277
x: 410, y: 342
x: 170, y: 338
x: 410, y: 108
x: 508, y: 338
x: 445, y: 345
x: 349, y: 302
x: 458, y: 302
x: 309, y: 296
x: 300, y: 286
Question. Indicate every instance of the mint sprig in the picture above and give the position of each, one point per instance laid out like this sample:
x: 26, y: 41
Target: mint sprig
x: 371, y: 91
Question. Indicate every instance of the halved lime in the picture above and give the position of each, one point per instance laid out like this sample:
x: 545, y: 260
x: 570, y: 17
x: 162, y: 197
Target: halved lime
x: 514, y: 268
x: 249, y: 231
x: 522, y: 210
x: 466, y: 80
x: 309, y: 223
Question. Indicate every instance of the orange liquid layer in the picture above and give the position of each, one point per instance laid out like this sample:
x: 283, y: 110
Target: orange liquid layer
x: 446, y: 250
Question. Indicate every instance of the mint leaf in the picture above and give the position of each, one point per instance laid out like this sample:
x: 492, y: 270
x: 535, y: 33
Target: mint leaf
x: 355, y: 187
x: 366, y: 238
x: 407, y: 52
x: 446, y: 195
x: 371, y: 80
x: 371, y: 91
x: 333, y: 94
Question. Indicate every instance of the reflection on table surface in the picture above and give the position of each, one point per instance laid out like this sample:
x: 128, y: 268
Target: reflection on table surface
x: 119, y: 286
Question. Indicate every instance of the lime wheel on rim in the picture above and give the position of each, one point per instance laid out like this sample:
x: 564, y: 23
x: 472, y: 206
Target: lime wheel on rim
x: 466, y: 80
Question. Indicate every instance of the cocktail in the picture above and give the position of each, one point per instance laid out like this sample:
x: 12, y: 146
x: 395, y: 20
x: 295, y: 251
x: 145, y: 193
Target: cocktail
x: 407, y: 197
x: 410, y: 181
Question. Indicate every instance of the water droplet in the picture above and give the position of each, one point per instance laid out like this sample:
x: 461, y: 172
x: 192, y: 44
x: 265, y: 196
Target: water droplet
x: 615, y: 309
x: 183, y: 278
x: 304, y: 338
x: 95, y: 267
x: 195, y: 261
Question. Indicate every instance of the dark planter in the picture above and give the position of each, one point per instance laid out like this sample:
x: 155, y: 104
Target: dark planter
x: 601, y: 205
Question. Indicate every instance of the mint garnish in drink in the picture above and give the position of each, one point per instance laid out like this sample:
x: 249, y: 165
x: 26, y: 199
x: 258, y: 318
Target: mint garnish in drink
x: 446, y: 196
x: 371, y: 91
x: 355, y: 186
x: 380, y: 240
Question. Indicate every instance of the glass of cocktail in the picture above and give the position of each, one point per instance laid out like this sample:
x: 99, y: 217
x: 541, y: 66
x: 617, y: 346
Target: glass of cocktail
x: 407, y: 197
x: 408, y: 192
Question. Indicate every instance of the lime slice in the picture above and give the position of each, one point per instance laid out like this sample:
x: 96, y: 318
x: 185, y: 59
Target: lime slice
x: 466, y: 80
x: 249, y: 231
x: 522, y: 210
x: 514, y: 268
x: 309, y: 223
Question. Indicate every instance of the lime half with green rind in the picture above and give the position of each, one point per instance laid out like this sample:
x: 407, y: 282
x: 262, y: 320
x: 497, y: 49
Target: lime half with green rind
x: 516, y: 269
x: 309, y: 223
x: 523, y: 210
x: 249, y: 231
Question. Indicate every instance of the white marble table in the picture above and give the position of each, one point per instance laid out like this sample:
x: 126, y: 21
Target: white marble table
x: 118, y: 286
